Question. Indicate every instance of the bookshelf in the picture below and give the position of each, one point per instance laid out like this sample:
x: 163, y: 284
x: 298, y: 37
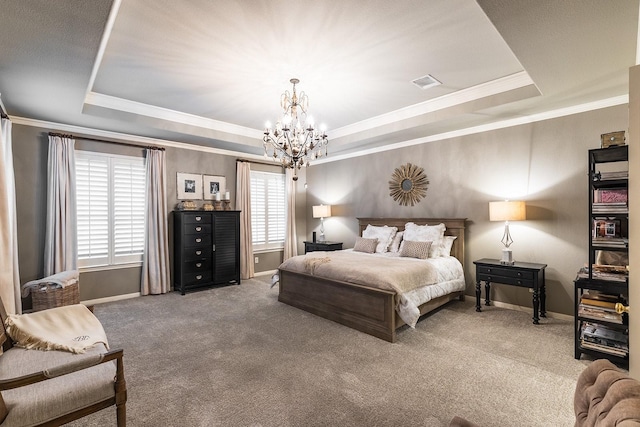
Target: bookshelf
x: 602, y: 286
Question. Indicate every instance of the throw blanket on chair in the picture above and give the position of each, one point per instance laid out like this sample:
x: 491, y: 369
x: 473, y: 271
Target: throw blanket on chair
x: 72, y: 328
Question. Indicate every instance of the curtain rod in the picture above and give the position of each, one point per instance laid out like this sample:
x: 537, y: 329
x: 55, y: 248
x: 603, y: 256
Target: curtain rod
x: 3, y: 114
x: 128, y: 144
x: 261, y: 162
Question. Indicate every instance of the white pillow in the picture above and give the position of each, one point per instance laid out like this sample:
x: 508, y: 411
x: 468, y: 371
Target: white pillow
x: 447, y: 243
x: 384, y: 235
x: 395, y: 243
x: 425, y: 233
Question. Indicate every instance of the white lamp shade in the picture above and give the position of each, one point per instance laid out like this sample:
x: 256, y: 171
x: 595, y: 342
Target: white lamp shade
x: 322, y: 211
x: 507, y: 211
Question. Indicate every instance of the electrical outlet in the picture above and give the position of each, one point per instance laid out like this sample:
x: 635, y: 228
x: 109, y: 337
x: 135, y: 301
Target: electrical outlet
x: 256, y: 260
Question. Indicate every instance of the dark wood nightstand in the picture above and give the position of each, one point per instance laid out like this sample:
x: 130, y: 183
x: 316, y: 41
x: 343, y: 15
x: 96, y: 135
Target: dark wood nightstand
x: 525, y: 274
x: 322, y: 246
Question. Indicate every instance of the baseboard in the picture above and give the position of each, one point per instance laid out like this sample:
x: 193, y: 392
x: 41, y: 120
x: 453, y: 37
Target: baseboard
x: 265, y: 273
x: 111, y: 299
x: 560, y: 316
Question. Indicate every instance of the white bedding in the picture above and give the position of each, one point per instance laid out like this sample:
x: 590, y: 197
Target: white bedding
x: 450, y: 278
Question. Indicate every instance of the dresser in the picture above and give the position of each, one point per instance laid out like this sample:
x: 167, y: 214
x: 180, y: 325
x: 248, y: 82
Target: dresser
x: 206, y: 248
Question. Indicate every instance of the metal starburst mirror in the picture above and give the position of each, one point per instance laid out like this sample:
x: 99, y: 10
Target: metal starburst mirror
x: 408, y: 184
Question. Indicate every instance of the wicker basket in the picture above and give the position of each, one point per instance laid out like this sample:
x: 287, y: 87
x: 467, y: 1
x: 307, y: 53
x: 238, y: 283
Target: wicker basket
x: 50, y: 295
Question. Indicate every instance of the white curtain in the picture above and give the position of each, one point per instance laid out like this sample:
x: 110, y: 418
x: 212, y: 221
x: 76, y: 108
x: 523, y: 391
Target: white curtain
x: 61, y: 246
x: 290, y: 238
x: 243, y: 204
x: 155, y: 261
x: 9, y: 273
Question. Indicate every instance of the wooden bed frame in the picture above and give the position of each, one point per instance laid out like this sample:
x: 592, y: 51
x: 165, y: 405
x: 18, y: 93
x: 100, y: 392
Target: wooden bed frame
x: 364, y: 308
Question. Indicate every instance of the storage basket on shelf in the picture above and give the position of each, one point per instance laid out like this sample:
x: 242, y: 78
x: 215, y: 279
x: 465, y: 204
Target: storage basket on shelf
x: 54, y: 291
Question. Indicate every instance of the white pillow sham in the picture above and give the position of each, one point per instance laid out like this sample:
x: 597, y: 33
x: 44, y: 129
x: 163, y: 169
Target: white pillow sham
x: 395, y: 243
x: 447, y: 244
x: 425, y: 233
x: 384, y: 234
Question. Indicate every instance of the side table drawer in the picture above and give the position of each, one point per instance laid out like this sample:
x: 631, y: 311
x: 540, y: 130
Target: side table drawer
x: 505, y: 272
x: 505, y: 279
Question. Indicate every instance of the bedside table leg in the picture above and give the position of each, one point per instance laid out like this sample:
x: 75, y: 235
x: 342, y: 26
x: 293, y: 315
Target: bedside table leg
x: 478, y: 296
x: 487, y: 292
x: 543, y: 300
x: 536, y: 302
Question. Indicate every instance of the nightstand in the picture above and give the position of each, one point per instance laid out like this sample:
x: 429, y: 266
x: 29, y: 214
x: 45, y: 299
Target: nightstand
x: 322, y: 246
x: 524, y: 274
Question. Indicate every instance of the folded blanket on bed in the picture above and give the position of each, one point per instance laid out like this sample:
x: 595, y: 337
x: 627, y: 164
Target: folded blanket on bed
x: 72, y: 328
x: 392, y: 274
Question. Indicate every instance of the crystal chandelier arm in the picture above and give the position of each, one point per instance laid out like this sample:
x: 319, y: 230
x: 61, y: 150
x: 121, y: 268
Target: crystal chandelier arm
x: 294, y: 141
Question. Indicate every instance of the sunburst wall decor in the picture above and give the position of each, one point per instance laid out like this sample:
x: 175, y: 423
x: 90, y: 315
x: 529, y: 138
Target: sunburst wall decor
x: 408, y: 184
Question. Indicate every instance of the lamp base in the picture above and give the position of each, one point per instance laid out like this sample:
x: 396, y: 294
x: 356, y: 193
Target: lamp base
x: 507, y: 257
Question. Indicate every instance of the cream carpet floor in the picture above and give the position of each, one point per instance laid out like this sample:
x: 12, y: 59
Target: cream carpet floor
x: 235, y: 356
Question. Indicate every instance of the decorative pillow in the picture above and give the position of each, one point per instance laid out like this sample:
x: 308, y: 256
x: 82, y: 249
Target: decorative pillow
x: 425, y: 233
x: 414, y: 249
x: 384, y: 235
x: 365, y: 245
x: 395, y: 243
x: 445, y: 246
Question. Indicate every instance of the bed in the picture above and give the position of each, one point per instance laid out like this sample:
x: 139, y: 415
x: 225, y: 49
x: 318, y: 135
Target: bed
x: 359, y: 305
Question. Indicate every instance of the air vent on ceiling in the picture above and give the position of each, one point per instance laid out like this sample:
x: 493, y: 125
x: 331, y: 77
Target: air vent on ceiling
x: 426, y: 82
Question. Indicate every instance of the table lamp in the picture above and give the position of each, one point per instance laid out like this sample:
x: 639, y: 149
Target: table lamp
x: 322, y: 212
x: 507, y: 211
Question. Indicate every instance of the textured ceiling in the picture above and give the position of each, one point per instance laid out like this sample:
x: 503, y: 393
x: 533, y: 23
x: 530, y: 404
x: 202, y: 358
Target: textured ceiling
x: 211, y: 72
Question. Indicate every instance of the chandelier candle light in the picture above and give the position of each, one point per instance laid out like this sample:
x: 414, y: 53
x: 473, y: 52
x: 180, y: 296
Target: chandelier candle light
x: 507, y: 211
x: 294, y: 141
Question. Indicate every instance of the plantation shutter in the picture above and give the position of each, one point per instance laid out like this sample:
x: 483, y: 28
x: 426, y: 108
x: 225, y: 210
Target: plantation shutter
x: 128, y: 209
x: 110, y: 208
x: 92, y: 191
x: 268, y: 210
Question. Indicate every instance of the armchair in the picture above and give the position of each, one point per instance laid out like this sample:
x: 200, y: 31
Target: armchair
x: 50, y: 388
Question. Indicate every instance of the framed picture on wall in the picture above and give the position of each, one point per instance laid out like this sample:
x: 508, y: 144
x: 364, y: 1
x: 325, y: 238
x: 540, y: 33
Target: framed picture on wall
x: 213, y: 185
x: 189, y: 186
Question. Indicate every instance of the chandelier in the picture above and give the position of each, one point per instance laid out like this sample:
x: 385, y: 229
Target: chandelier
x: 294, y: 141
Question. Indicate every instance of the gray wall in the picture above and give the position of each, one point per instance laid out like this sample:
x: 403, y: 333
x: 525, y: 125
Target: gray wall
x: 543, y: 163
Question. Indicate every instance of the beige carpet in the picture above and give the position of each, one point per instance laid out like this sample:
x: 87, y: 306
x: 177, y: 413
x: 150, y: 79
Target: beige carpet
x: 235, y: 356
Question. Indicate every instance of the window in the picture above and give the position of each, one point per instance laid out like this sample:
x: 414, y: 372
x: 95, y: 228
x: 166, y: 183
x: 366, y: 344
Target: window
x: 268, y: 210
x: 110, y: 191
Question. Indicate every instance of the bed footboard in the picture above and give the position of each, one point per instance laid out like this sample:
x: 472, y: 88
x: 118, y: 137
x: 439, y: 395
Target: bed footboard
x: 366, y: 309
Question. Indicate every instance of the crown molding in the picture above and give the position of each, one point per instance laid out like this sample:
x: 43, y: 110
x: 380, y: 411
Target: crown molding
x: 131, y: 138
x: 138, y: 108
x: 562, y: 112
x: 494, y: 87
x: 576, y: 109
